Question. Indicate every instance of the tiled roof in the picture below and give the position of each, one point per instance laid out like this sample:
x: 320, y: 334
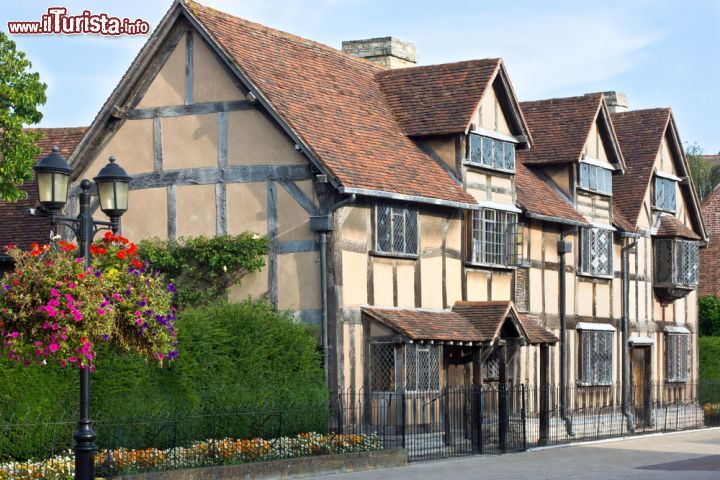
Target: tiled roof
x: 560, y: 128
x: 535, y: 196
x: 672, y: 227
x: 16, y: 225
x: 466, y: 322
x: 333, y: 103
x: 437, y: 99
x: 640, y: 134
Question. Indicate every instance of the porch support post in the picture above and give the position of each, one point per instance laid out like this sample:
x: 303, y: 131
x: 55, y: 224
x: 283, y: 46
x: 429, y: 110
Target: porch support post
x: 445, y: 398
x: 544, y: 394
x: 476, y: 401
x: 502, y: 399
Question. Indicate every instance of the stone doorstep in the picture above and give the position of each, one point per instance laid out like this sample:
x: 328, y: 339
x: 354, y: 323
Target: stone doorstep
x: 302, y: 467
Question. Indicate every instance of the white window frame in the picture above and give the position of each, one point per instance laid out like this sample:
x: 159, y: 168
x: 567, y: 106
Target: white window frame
x: 662, y: 199
x: 590, y: 342
x: 595, y: 177
x: 488, y: 152
x: 677, y: 357
x: 410, y: 225
x: 496, y: 238
x: 588, y: 255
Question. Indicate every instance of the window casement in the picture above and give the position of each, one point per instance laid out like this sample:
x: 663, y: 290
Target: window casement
x: 491, y: 367
x: 422, y: 367
x: 496, y: 238
x: 677, y: 262
x: 382, y: 367
x: 595, y: 356
x: 665, y: 194
x: 492, y: 153
x: 677, y: 352
x: 596, y: 251
x: 595, y: 178
x: 397, y: 230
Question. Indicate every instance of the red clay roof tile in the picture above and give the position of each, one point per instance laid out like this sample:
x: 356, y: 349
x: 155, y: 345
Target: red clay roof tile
x: 671, y: 227
x: 535, y: 196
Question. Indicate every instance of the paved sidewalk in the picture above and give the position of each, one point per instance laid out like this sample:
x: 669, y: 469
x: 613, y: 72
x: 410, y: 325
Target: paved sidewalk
x: 690, y: 455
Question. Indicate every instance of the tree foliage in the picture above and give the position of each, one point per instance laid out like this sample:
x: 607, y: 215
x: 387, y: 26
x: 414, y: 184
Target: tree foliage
x: 709, y: 316
x: 21, y: 93
x: 706, y: 175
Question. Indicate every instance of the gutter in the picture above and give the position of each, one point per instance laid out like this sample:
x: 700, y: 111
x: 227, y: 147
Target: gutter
x: 324, y: 224
x: 625, y: 254
x: 563, y: 221
x: 563, y: 247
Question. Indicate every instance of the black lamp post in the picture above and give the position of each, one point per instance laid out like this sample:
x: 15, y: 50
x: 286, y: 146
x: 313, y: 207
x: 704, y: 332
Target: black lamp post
x: 53, y: 176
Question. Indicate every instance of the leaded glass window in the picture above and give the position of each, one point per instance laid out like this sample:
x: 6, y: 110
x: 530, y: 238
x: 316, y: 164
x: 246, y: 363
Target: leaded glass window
x: 595, y: 178
x: 491, y: 370
x: 422, y: 367
x: 596, y: 251
x: 595, y: 357
x: 665, y: 194
x: 677, y: 262
x: 397, y: 229
x: 677, y: 350
x: 382, y: 367
x: 490, y: 152
x: 496, y: 237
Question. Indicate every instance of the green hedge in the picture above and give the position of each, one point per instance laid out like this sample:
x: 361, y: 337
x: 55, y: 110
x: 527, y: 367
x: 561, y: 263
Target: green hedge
x: 709, y: 358
x: 233, y: 357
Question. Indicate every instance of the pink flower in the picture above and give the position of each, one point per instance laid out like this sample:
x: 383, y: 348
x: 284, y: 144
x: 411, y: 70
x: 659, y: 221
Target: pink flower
x: 101, y: 311
x: 54, y: 292
x: 14, y: 334
x: 54, y: 347
x: 38, y: 344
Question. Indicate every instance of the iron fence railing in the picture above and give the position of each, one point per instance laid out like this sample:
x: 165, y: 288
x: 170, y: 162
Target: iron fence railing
x: 488, y: 419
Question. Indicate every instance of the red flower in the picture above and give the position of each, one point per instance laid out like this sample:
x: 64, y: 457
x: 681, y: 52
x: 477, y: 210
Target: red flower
x: 81, y: 276
x: 121, y: 254
x: 108, y: 235
x: 137, y: 263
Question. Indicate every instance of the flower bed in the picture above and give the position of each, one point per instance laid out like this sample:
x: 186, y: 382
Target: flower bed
x: 198, y: 454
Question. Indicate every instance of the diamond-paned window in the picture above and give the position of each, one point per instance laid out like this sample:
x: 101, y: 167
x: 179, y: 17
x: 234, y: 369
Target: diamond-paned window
x: 677, y: 262
x: 665, y: 194
x: 596, y: 251
x: 496, y: 238
x: 677, y: 349
x: 595, y: 352
x: 382, y: 367
x: 422, y: 367
x: 491, y: 370
x: 490, y: 152
x: 397, y: 229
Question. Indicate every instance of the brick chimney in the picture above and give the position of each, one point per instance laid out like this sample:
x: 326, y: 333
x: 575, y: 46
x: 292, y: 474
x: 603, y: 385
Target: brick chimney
x: 386, y: 51
x: 616, y: 101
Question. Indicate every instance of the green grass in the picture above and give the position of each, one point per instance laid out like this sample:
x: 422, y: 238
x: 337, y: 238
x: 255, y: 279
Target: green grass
x: 710, y: 358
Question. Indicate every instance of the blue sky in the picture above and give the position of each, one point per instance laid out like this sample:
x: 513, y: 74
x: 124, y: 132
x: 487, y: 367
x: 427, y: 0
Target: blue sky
x: 659, y: 52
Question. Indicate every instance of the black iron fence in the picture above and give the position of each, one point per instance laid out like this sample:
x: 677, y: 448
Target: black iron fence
x: 433, y: 424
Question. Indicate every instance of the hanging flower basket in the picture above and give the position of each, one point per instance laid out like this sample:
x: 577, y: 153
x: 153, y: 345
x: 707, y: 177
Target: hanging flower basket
x: 53, y: 307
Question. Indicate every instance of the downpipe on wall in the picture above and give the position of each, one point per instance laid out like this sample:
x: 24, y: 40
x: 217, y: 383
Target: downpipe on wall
x: 324, y: 224
x: 563, y: 247
x: 625, y: 254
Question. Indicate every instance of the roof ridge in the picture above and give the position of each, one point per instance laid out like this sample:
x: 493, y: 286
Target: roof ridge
x: 575, y: 97
x: 194, y: 7
x: 438, y: 66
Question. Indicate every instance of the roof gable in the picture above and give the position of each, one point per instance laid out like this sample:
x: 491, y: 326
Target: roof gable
x: 641, y: 133
x: 561, y: 127
x: 441, y: 99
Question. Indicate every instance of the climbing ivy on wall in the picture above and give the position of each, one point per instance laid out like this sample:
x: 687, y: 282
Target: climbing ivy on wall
x: 202, y: 268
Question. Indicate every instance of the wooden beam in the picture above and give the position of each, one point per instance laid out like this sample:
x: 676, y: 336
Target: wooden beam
x: 297, y: 246
x: 189, y: 109
x: 300, y: 197
x: 157, y: 145
x: 212, y: 175
x: 171, y: 213
x: 189, y: 60
x: 272, y: 238
x: 220, y: 208
x: 222, y: 139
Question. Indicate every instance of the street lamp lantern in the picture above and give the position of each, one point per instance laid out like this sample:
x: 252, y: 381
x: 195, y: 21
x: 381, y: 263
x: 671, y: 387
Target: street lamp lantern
x: 113, y: 184
x: 53, y: 175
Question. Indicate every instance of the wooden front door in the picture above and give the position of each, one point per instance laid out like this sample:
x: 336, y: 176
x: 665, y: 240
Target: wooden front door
x: 641, y: 384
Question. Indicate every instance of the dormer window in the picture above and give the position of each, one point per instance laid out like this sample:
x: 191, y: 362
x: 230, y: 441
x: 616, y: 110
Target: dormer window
x: 665, y: 192
x: 595, y: 176
x: 492, y: 153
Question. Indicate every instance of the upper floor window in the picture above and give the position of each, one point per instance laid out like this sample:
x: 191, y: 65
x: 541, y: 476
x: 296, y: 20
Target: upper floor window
x: 677, y: 349
x: 496, y: 238
x: 595, y: 356
x: 596, y: 178
x: 677, y: 262
x: 397, y: 229
x: 665, y: 196
x: 491, y: 152
x: 596, y: 251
